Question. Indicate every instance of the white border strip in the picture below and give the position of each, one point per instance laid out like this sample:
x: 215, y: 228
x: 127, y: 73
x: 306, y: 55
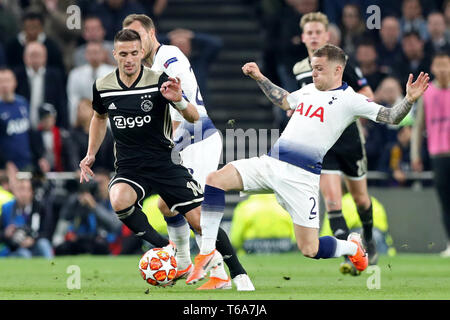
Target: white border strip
x: 185, y: 203
x: 128, y: 180
x: 127, y: 92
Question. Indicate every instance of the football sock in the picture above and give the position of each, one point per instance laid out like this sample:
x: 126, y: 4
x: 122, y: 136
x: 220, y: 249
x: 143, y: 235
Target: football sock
x: 213, y: 207
x: 224, y: 246
x: 330, y: 247
x: 366, y: 216
x: 338, y: 224
x: 180, y: 232
x: 137, y: 221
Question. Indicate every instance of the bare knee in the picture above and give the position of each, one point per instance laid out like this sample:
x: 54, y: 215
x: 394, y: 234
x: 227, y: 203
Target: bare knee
x: 213, y: 179
x: 362, y: 200
x: 122, y: 197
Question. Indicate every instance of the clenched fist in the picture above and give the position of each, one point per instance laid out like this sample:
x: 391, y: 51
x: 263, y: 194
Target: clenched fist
x: 251, y: 69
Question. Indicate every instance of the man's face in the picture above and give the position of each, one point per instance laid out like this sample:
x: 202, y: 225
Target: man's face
x: 390, y: 30
x: 146, y: 37
x: 93, y: 30
x: 35, y: 56
x: 24, y: 192
x: 314, y: 35
x: 436, y: 25
x: 32, y: 28
x: 7, y: 83
x: 366, y: 55
x: 440, y: 68
x: 413, y: 47
x: 324, y: 72
x: 95, y: 54
x: 128, y: 55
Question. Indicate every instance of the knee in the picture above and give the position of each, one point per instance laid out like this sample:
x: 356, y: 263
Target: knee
x: 120, y: 203
x: 213, y: 179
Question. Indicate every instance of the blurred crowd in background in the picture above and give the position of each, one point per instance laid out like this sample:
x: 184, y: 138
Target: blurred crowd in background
x: 46, y: 76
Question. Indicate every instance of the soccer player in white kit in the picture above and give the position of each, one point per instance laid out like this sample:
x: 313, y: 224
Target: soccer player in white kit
x: 200, y: 148
x: 292, y: 168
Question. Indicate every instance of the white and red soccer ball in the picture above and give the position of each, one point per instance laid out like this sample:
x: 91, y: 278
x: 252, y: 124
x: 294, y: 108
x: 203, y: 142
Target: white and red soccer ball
x: 158, y: 267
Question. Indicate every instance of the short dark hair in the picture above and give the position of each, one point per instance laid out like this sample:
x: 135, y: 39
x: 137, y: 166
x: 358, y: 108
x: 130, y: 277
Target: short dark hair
x: 440, y: 54
x: 33, y: 15
x: 332, y: 52
x: 412, y: 33
x: 127, y: 35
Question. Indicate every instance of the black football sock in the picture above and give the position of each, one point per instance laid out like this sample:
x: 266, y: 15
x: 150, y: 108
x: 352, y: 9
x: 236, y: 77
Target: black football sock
x: 137, y: 221
x: 366, y: 216
x: 338, y: 224
x: 225, y: 248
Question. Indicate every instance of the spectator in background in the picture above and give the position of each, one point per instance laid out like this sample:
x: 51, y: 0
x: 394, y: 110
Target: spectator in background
x: 22, y: 224
x: 412, y: 19
x: 9, y: 25
x: 261, y: 225
x: 291, y: 48
x: 439, y: 40
x: 93, y: 31
x: 93, y: 69
x: 201, y: 49
x: 389, y: 48
x: 51, y: 144
x: 154, y: 8
x: 55, y: 17
x: 87, y: 223
x: 80, y: 137
x: 366, y: 56
x: 414, y: 58
x: 446, y: 10
x: 5, y: 190
x: 377, y: 135
x: 40, y: 83
x: 395, y: 159
x: 14, y: 124
x: 33, y: 31
x: 335, y: 35
x: 433, y: 114
x: 352, y: 28
x: 3, y: 61
x: 113, y: 12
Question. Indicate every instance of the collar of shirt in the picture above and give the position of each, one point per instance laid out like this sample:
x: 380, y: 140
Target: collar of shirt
x: 22, y: 38
x: 31, y: 73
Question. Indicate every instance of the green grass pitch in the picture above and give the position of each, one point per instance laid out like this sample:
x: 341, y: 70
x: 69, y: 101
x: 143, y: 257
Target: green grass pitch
x: 282, y: 276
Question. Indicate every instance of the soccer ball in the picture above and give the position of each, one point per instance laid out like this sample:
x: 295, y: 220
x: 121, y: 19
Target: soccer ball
x: 158, y: 267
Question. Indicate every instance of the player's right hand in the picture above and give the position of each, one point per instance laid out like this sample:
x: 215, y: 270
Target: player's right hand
x: 85, y: 166
x: 251, y: 69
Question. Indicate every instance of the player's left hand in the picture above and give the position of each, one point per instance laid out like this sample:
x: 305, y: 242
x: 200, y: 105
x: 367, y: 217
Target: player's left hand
x: 171, y: 89
x: 415, y: 89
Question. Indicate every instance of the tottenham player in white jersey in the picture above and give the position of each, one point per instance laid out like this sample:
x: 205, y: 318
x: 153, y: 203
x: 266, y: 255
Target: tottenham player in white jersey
x: 292, y: 168
x: 200, y: 147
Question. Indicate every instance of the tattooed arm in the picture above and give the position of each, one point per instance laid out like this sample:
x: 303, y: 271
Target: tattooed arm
x: 275, y: 94
x: 413, y: 91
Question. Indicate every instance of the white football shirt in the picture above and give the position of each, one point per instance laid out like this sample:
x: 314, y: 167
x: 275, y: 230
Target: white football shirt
x: 319, y: 119
x: 174, y: 63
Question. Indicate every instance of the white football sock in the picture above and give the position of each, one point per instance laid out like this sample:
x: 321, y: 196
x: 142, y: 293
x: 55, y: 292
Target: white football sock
x: 180, y: 236
x: 210, y: 223
x: 345, y: 248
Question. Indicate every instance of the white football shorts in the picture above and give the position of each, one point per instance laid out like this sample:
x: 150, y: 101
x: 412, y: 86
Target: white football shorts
x: 296, y: 190
x: 203, y: 157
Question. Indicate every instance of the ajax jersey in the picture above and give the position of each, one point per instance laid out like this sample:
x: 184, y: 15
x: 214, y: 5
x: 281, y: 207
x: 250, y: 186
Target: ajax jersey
x: 319, y: 119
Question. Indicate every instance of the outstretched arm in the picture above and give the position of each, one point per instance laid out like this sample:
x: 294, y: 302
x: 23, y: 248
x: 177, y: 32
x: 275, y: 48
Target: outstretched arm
x: 413, y: 92
x: 275, y: 94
